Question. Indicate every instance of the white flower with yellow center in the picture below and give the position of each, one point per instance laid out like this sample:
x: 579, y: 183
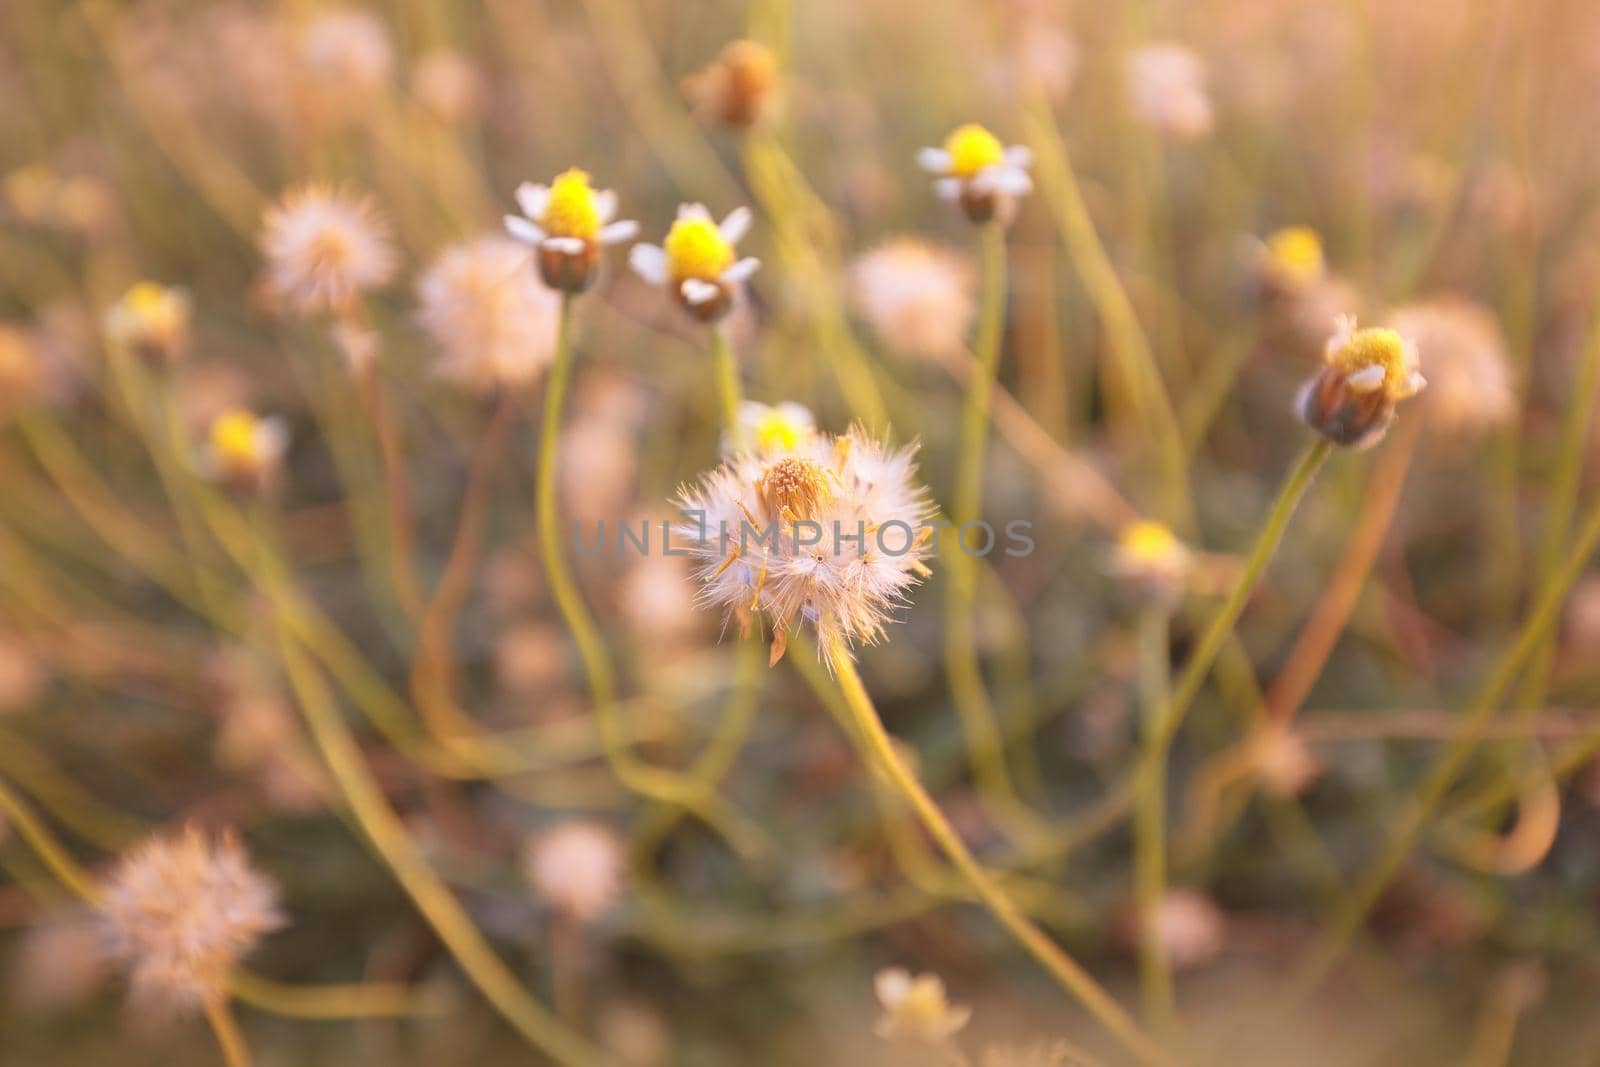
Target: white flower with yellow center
x: 243, y: 450
x: 1365, y: 374
x: 978, y: 172
x: 698, y: 260
x: 767, y: 428
x: 832, y: 533
x: 151, y: 320
x: 568, y: 221
x: 917, y: 1009
x: 1151, y: 558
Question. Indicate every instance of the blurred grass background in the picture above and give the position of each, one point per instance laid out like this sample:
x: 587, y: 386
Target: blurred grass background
x: 1439, y: 149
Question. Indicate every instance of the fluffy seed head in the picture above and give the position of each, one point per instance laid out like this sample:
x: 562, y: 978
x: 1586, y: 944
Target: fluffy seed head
x: 1470, y: 388
x: 917, y: 1009
x: 832, y: 534
x: 493, y: 323
x: 577, y: 868
x: 181, y: 913
x: 793, y: 488
x: 917, y: 297
x: 1168, y: 86
x: 738, y: 88
x: 324, y: 249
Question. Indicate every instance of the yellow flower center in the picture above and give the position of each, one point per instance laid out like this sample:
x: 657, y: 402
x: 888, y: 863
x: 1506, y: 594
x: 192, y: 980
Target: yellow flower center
x: 793, y: 488
x: 972, y: 150
x: 1295, y: 254
x: 696, y: 249
x: 779, y: 431
x: 233, y: 439
x: 1150, y: 543
x: 571, y: 211
x: 154, y: 306
x: 1377, y: 347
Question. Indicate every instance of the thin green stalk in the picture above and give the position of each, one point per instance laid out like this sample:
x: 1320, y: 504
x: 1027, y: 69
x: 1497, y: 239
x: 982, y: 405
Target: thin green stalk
x: 235, y: 1051
x: 1066, y: 971
x: 388, y: 834
x: 1134, y: 383
x: 653, y: 782
x: 962, y: 667
x: 1448, y: 767
x: 1561, y: 503
x: 728, y: 389
x: 1150, y: 817
x: 1221, y: 625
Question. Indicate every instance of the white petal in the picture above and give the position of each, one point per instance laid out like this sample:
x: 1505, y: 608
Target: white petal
x: 736, y: 225
x: 605, y: 204
x: 532, y: 199
x: 741, y: 271
x: 1007, y: 181
x: 1019, y: 156
x: 523, y: 230
x: 934, y: 160
x: 948, y: 188
x: 649, y: 262
x: 272, y: 438
x: 797, y: 413
x: 698, y: 292
x: 1416, y: 383
x: 617, y: 232
x: 1366, y: 380
x: 572, y: 246
x: 693, y: 211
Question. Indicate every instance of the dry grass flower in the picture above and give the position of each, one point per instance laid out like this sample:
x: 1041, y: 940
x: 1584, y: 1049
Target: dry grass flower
x: 919, y: 298
x: 492, y: 322
x: 181, y: 912
x: 832, y: 534
x: 324, y: 249
x: 917, y: 1009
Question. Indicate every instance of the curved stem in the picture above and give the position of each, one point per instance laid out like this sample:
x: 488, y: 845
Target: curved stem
x: 235, y: 1052
x: 397, y: 494
x: 1134, y: 383
x: 653, y: 782
x: 1356, y: 905
x: 1222, y: 622
x: 962, y: 666
x: 387, y: 832
x: 1067, y: 972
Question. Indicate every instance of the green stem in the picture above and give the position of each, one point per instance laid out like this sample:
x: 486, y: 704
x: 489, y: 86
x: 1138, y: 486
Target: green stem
x: 388, y: 834
x: 728, y: 389
x: 1220, y: 628
x: 653, y: 782
x: 1448, y: 767
x: 1150, y: 815
x: 962, y: 666
x: 1066, y: 971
